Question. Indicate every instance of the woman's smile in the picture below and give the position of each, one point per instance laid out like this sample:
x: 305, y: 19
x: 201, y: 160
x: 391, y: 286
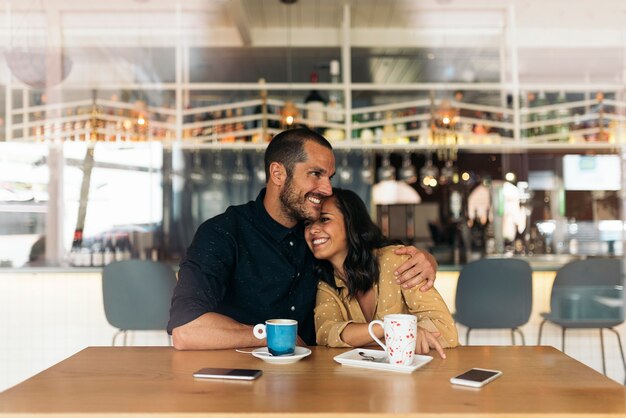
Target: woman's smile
x: 326, y: 236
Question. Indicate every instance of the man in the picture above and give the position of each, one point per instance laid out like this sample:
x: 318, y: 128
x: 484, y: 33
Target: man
x: 251, y: 263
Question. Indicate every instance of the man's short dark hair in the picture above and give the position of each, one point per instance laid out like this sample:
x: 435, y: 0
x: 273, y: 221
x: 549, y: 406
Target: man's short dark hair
x: 287, y: 148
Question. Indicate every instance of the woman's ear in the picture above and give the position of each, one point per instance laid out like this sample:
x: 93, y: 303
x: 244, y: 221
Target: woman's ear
x: 278, y: 174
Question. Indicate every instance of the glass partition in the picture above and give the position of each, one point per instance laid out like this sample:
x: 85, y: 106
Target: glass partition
x: 24, y: 177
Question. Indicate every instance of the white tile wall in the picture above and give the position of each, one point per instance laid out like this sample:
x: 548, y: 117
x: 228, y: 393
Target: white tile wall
x: 49, y: 316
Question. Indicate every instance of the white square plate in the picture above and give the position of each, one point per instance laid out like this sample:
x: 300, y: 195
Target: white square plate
x: 354, y: 359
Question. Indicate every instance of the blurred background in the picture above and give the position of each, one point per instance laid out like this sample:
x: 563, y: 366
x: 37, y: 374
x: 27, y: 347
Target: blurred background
x: 125, y: 124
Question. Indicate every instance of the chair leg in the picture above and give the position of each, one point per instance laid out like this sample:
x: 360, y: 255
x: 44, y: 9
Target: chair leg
x: 467, y: 336
x: 125, y: 337
x: 540, y: 330
x: 513, y: 336
x: 602, y: 348
x: 521, y: 334
x: 621, y: 350
x: 563, y: 339
x: 115, y: 336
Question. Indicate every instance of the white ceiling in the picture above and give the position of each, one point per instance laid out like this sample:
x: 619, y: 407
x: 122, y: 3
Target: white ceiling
x: 556, y: 40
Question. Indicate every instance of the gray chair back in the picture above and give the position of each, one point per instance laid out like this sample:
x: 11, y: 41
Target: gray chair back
x: 494, y: 293
x: 590, y: 272
x: 137, y: 294
x: 578, y: 292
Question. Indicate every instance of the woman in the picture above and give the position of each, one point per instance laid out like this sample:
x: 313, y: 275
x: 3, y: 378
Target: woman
x: 357, y: 284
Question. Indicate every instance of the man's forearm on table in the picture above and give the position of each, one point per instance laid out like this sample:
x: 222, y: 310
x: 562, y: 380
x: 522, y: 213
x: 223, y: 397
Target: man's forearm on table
x: 214, y: 331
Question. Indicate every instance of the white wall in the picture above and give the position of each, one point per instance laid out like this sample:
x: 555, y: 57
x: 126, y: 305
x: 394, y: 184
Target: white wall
x: 49, y: 316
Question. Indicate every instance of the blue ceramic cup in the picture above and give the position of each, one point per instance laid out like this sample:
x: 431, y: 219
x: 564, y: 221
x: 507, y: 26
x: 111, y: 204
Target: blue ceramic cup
x: 281, y: 335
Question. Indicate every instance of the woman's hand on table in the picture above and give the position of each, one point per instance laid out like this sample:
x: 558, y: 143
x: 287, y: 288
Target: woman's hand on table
x: 426, y: 340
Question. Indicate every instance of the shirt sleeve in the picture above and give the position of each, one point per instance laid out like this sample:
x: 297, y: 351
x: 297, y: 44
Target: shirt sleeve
x: 429, y: 307
x: 331, y: 317
x: 432, y: 314
x: 203, y: 275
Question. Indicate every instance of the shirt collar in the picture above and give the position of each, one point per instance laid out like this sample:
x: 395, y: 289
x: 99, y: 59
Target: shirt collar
x: 339, y: 283
x: 273, y: 228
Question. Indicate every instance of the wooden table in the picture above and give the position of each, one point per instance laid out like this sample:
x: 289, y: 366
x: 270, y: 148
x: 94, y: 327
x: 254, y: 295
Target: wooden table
x: 157, y: 381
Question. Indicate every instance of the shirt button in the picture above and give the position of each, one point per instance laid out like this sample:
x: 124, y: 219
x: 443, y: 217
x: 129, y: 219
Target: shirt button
x: 291, y: 243
x: 293, y: 308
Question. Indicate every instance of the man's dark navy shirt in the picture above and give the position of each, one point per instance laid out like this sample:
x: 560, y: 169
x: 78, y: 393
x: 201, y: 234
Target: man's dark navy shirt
x: 245, y: 265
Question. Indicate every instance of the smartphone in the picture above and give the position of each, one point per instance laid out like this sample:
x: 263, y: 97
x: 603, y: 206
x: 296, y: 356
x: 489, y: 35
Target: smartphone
x: 233, y: 374
x: 476, y: 377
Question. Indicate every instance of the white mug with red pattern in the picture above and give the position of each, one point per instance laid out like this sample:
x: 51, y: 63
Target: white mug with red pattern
x: 400, y: 336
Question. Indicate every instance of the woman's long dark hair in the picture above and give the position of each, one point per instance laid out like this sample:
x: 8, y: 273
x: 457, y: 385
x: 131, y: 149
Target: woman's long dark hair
x: 363, y: 237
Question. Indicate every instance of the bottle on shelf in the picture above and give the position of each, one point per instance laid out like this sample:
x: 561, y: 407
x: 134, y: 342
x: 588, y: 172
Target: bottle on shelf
x: 229, y: 127
x: 122, y: 248
x: 541, y: 115
x: 109, y: 250
x: 207, y: 131
x: 316, y: 106
x: 378, y: 130
x: 85, y: 256
x: 367, y: 134
x: 239, y: 126
x: 335, y: 102
x: 389, y: 130
x: 357, y: 118
x: 219, y: 127
x: 78, y: 126
x: 97, y: 254
x: 401, y: 135
x: 527, y: 103
x: 67, y: 125
x: 75, y: 252
x: 562, y: 115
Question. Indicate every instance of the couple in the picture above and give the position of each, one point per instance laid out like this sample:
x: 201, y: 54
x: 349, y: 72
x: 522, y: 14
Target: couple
x: 252, y: 263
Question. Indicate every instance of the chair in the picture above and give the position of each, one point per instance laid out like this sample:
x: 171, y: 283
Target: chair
x: 494, y: 294
x: 137, y: 295
x: 588, y: 294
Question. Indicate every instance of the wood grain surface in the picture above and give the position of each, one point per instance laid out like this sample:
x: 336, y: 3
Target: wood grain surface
x: 158, y: 381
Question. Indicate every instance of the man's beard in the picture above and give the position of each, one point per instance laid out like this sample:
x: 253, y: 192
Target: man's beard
x: 292, y: 206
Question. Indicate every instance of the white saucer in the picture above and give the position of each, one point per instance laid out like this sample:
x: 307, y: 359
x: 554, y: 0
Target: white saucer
x: 263, y: 354
x: 354, y: 359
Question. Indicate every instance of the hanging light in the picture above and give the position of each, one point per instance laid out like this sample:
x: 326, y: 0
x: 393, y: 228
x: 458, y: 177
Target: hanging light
x: 289, y: 113
x: 429, y: 175
x: 407, y: 172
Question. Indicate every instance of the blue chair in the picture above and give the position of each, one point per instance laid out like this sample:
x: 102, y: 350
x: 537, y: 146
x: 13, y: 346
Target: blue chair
x: 137, y: 295
x: 494, y: 294
x: 588, y: 294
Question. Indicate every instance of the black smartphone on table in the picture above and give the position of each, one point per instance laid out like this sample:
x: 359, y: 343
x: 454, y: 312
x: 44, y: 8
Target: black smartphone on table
x: 232, y: 374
